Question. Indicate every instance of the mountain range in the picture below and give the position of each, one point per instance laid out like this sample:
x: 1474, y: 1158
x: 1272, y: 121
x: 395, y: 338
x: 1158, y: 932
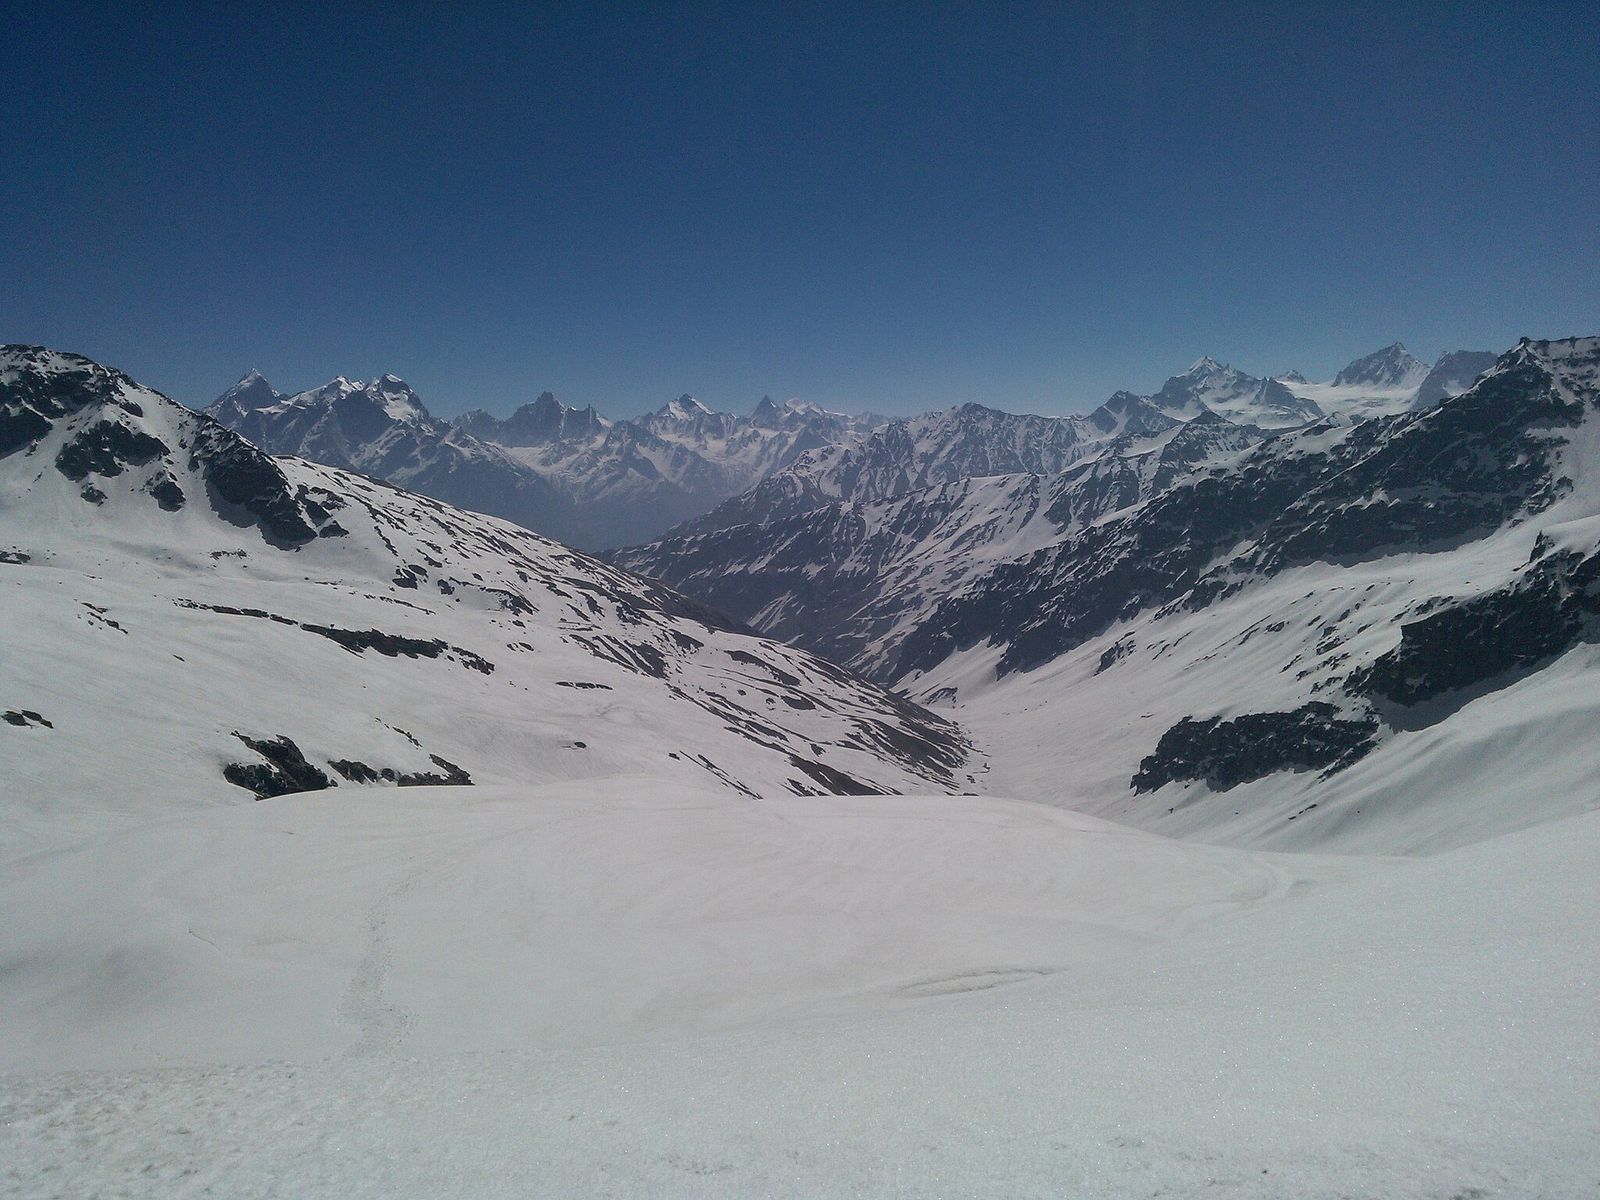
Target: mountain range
x: 569, y: 473
x: 188, y: 617
x: 1227, y: 620
x: 598, y: 484
x: 335, y: 811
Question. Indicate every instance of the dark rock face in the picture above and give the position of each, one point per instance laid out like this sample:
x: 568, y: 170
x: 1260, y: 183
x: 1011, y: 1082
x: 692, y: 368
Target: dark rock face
x: 832, y: 782
x: 450, y: 775
x: 20, y: 427
x: 285, y: 770
x: 390, y: 645
x: 359, y: 772
x: 107, y: 448
x: 1491, y: 639
x: 167, y: 493
x: 1314, y: 737
x: 40, y: 394
x: 247, y: 487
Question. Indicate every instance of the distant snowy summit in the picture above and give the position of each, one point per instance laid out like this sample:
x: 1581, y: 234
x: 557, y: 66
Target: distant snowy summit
x: 1392, y: 367
x: 598, y: 483
x: 537, y: 423
x: 568, y: 472
x: 1241, y: 398
x: 1389, y: 381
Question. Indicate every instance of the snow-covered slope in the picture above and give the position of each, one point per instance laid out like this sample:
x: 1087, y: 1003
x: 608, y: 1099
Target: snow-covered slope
x: 1378, y: 636
x: 852, y: 580
x: 592, y: 990
x: 1255, y: 644
x: 190, y: 622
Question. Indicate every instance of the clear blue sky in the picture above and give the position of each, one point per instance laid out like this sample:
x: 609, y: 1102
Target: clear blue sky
x: 894, y: 207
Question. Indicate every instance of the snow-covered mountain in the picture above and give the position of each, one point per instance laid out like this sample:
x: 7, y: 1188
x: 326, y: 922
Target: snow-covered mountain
x: 189, y: 618
x: 1390, y: 381
x: 383, y: 429
x: 520, y: 987
x: 1392, y: 367
x: 852, y: 579
x: 1453, y: 374
x: 674, y: 464
x: 566, y: 472
x: 1265, y: 645
x: 1212, y: 386
x: 537, y: 423
x: 973, y: 441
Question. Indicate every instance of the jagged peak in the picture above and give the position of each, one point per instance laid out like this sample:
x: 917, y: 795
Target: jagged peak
x: 683, y: 408
x: 252, y: 391
x: 1391, y: 366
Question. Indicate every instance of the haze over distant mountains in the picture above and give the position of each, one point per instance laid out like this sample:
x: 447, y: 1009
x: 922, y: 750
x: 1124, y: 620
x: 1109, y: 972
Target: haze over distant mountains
x: 599, y: 483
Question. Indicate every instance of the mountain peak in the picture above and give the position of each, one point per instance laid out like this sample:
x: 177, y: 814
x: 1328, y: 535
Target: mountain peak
x: 684, y: 408
x: 1391, y: 367
x: 1453, y: 373
x: 251, y: 392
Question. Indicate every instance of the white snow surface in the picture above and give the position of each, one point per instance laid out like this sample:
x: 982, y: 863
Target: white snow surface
x: 614, y: 989
x: 615, y: 972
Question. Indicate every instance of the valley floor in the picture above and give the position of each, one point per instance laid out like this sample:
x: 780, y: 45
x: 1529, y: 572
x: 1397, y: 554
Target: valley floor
x: 622, y: 989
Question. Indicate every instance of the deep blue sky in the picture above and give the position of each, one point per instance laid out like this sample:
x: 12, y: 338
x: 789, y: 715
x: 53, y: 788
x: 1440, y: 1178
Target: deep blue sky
x: 898, y: 207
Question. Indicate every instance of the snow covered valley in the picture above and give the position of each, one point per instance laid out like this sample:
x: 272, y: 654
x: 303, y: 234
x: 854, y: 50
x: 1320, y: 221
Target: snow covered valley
x: 355, y: 845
